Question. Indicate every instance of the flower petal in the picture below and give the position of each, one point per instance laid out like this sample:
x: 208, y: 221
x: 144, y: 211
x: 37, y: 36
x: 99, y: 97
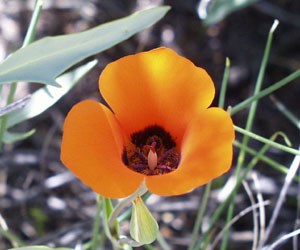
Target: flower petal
x: 92, y: 148
x: 157, y: 87
x: 206, y: 153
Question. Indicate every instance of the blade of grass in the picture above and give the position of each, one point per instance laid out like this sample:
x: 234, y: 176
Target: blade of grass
x: 196, y: 227
x: 288, y: 114
x: 267, y: 141
x: 265, y: 92
x: 30, y: 35
x: 279, y: 167
x: 224, y: 83
x: 202, y: 243
x: 6, y: 233
x: 199, y: 217
x: 249, y: 123
x: 162, y: 242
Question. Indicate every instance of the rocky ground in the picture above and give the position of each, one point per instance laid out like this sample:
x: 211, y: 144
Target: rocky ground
x: 42, y: 203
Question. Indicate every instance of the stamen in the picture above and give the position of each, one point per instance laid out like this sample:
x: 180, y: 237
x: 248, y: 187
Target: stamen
x: 152, y: 156
x: 151, y: 151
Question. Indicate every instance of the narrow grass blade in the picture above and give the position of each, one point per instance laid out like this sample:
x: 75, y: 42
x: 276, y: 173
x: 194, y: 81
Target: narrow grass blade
x: 277, y: 166
x: 267, y: 91
x: 224, y: 83
x: 249, y: 122
x: 267, y: 141
x: 287, y: 113
x: 30, y: 35
x: 204, y: 241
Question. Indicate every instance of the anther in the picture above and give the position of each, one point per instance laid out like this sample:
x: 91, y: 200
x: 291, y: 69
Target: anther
x: 152, y: 156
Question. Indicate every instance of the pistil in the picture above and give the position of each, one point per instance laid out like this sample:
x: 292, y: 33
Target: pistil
x: 152, y: 156
x: 152, y: 151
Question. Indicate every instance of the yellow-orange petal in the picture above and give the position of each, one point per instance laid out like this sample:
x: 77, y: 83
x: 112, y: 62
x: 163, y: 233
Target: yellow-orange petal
x: 92, y: 147
x: 206, y: 153
x: 156, y: 87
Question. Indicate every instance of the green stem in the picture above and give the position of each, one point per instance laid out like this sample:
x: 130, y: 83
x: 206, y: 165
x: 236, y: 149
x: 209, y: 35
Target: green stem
x: 31, y: 31
x: 124, y: 203
x: 110, y: 217
x: 27, y: 40
x: 162, y: 242
x: 4, y: 119
x: 126, y: 215
x: 200, y: 214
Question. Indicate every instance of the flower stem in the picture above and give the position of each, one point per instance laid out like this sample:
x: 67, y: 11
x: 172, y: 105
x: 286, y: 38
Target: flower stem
x: 124, y: 203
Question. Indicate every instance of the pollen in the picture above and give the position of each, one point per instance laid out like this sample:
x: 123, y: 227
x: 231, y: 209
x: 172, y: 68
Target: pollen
x: 152, y: 151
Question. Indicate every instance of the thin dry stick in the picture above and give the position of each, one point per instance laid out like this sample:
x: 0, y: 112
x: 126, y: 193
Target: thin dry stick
x: 234, y: 220
x: 288, y: 179
x: 262, y: 211
x: 282, y: 239
x: 297, y: 222
x: 15, y: 105
x: 255, y: 215
x: 3, y: 224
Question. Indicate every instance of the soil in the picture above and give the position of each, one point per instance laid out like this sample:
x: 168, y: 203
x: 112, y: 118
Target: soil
x: 43, y: 203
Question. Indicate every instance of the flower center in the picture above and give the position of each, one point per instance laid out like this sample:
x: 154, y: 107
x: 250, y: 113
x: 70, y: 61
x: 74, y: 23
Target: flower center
x: 152, y: 151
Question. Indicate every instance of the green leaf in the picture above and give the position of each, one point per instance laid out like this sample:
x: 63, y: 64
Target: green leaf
x: 143, y: 226
x: 11, y: 137
x: 39, y: 248
x: 43, y: 60
x: 45, y: 97
x: 216, y: 10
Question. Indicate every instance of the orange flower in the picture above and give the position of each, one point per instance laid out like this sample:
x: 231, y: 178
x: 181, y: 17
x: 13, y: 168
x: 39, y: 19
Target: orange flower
x: 159, y: 129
